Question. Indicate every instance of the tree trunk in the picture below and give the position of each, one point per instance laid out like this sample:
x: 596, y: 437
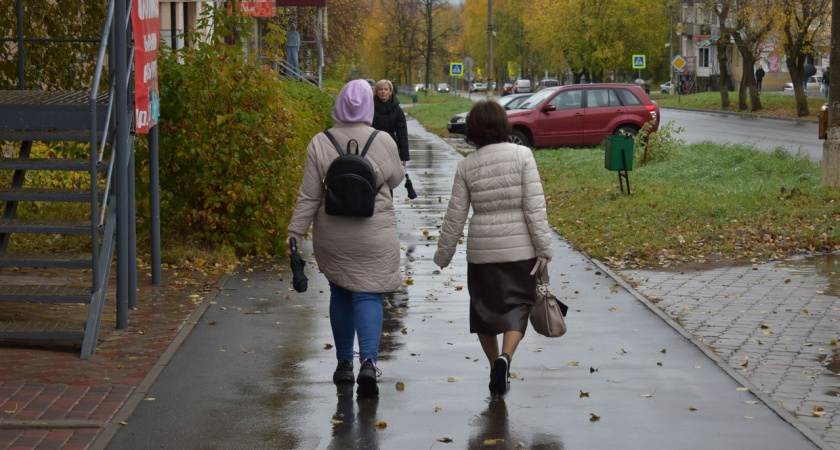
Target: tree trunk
x: 831, y: 147
x: 750, y: 85
x: 796, y: 67
x: 723, y: 63
x: 746, y: 48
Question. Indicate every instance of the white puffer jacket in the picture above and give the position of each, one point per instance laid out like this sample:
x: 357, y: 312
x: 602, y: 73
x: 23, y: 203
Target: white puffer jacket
x: 509, y: 220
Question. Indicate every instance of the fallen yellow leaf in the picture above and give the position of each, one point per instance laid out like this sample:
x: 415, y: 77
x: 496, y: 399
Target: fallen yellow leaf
x: 583, y: 394
x: 336, y: 422
x: 594, y: 417
x: 380, y: 424
x: 451, y: 379
x: 493, y: 441
x: 400, y: 386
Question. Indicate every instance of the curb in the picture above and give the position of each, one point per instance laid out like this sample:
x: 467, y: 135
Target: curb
x: 122, y: 415
x: 772, y: 404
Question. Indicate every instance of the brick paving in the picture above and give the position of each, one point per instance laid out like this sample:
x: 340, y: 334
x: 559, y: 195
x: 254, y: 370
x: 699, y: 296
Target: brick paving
x: 775, y: 323
x: 78, y: 397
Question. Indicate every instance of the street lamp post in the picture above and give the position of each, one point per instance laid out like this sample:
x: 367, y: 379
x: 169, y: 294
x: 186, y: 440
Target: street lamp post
x: 489, y: 50
x: 671, y: 45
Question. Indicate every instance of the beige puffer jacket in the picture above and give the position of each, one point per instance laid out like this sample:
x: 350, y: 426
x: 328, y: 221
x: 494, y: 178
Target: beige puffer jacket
x: 509, y: 221
x: 358, y: 254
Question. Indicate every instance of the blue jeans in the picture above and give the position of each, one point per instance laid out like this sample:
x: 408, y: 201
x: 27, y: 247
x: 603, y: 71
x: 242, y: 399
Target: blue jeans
x: 355, y: 314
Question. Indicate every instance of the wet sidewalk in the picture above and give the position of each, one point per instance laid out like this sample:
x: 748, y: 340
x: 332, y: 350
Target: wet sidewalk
x: 251, y: 367
x: 256, y: 370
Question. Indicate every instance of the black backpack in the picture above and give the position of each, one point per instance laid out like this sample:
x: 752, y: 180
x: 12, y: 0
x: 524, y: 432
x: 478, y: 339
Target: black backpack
x: 350, y: 185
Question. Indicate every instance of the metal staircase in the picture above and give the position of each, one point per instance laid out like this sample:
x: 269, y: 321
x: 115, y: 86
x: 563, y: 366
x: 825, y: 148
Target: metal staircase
x: 103, y: 121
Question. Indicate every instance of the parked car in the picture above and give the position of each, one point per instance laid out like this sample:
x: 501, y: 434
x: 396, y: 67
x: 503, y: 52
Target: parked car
x: 507, y: 89
x: 458, y: 124
x: 814, y: 84
x: 549, y: 82
x: 419, y: 88
x: 478, y: 87
x: 582, y: 114
x: 665, y: 88
x: 443, y: 87
x: 520, y: 86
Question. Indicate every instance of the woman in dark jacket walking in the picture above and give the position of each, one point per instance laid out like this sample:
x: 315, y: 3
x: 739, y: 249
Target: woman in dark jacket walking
x: 389, y: 117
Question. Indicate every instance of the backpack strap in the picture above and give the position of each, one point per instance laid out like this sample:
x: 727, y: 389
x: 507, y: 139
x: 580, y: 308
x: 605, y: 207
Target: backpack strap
x: 334, y: 142
x: 369, y: 141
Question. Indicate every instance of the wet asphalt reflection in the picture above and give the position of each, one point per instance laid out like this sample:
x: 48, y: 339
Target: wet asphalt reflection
x: 255, y: 373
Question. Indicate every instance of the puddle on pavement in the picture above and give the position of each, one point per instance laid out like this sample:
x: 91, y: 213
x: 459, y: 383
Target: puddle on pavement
x: 826, y: 266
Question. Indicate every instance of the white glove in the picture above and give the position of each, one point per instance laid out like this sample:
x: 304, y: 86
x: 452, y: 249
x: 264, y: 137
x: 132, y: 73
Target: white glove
x: 540, y: 265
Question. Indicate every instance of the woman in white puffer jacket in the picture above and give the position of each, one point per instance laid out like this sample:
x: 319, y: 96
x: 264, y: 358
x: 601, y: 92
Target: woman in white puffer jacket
x: 509, y: 238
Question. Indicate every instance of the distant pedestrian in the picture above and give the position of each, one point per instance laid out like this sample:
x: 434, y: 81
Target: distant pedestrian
x: 389, y: 117
x: 759, y: 75
x: 509, y: 238
x: 292, y: 49
x: 360, y: 257
x: 826, y: 81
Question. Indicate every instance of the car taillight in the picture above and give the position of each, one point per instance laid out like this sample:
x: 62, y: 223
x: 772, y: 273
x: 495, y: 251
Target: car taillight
x: 652, y: 110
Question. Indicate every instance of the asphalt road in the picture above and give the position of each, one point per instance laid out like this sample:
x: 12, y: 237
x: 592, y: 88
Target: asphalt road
x: 765, y: 134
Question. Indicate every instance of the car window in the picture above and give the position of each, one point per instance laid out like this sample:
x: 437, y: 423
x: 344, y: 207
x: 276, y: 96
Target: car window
x: 627, y: 97
x: 567, y: 100
x: 598, y: 98
x: 536, y: 99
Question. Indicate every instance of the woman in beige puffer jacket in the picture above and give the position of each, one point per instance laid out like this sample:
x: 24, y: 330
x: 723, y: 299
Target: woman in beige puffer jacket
x: 359, y: 256
x: 509, y: 238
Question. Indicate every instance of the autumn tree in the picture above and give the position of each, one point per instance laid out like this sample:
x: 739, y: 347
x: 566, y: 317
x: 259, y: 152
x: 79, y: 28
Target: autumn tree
x: 52, y: 65
x: 722, y: 10
x: 753, y: 23
x: 434, y: 33
x: 598, y: 35
x: 803, y: 25
x: 400, y: 42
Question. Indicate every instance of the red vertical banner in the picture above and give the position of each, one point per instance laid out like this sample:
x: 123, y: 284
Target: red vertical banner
x: 257, y: 8
x: 145, y: 20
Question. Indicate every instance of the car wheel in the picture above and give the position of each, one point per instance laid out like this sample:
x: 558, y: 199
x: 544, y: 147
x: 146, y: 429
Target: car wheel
x: 628, y: 131
x: 519, y: 138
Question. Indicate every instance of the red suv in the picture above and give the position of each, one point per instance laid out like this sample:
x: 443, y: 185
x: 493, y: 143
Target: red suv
x: 581, y: 114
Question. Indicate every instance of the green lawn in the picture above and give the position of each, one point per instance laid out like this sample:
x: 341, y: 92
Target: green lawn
x: 705, y: 202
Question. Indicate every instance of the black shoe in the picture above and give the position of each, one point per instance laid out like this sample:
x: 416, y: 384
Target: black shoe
x: 367, y: 380
x: 343, y: 372
x: 500, y: 375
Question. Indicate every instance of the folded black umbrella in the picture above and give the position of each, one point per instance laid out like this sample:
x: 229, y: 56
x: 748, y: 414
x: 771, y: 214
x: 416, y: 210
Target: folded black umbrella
x: 299, y: 280
x: 411, y: 194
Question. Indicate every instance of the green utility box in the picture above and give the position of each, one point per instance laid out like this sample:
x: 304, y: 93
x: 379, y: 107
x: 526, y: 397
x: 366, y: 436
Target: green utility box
x: 618, y: 152
x: 414, y: 97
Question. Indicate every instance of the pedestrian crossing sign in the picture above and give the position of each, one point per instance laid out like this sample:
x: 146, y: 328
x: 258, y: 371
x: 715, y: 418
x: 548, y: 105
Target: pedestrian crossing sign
x: 639, y: 61
x: 456, y: 69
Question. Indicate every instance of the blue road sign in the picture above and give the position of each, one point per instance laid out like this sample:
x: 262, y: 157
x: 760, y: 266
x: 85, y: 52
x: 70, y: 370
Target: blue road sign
x: 639, y: 61
x: 456, y: 69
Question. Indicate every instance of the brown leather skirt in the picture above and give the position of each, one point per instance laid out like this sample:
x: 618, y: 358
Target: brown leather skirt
x: 501, y: 296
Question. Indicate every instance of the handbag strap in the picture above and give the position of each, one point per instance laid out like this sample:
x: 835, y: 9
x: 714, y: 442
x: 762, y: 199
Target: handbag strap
x: 542, y: 275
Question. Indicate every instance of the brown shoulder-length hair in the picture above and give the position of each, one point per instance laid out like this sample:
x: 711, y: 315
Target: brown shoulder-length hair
x: 487, y: 123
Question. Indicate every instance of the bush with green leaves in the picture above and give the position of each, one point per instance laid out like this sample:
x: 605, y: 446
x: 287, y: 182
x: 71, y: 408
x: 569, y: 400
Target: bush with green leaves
x: 658, y: 145
x: 233, y: 140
